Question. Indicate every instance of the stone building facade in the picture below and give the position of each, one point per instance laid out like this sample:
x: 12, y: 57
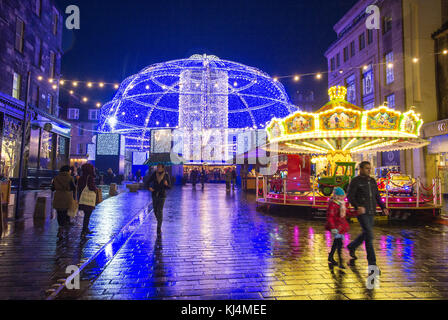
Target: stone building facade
x: 31, y: 42
x: 393, y: 65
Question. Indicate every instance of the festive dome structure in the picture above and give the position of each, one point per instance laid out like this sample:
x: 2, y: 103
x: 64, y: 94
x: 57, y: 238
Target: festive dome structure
x: 199, y: 93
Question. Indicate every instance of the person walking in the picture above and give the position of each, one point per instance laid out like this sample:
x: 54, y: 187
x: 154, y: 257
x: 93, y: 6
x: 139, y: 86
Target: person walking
x: 364, y: 196
x: 203, y: 176
x: 337, y: 224
x: 228, y: 176
x: 63, y: 186
x: 87, y: 179
x: 233, y: 178
x: 159, y: 182
x: 194, y: 177
x: 138, y: 176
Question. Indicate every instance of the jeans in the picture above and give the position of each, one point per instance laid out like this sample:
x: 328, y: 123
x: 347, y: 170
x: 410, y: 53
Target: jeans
x: 63, y: 218
x: 366, y: 221
x: 158, y: 203
x: 87, y: 213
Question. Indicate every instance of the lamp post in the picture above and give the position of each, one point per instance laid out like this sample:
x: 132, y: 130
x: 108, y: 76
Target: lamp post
x: 22, y: 146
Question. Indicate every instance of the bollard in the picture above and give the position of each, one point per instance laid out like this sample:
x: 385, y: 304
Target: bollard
x: 40, y: 211
x: 418, y: 192
x: 284, y: 191
x: 113, y: 190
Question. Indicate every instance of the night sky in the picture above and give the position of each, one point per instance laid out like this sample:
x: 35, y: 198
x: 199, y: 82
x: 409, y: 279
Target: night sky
x: 119, y: 38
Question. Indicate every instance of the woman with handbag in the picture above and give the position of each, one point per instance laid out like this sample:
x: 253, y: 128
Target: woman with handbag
x: 63, y: 185
x: 87, y: 195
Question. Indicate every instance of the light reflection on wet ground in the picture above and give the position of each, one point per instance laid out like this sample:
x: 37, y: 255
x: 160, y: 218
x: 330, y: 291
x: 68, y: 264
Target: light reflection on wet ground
x: 216, y: 245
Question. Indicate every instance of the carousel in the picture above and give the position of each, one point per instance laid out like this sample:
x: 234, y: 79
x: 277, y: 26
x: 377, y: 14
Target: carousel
x: 316, y: 153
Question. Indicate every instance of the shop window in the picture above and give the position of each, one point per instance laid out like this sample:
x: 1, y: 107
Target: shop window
x: 46, y: 150
x: 11, y: 141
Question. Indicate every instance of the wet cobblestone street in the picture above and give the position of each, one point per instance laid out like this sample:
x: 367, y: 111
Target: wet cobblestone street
x: 217, y: 246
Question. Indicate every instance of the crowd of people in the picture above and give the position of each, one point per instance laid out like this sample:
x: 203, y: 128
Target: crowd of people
x: 202, y: 175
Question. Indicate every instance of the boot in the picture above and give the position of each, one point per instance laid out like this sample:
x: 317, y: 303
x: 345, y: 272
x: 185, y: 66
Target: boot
x: 331, y: 260
x: 352, y: 252
x: 339, y: 246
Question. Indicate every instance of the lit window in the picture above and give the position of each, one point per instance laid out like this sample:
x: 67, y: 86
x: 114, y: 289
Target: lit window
x: 17, y: 86
x: 389, y: 65
x: 391, y: 101
x: 351, y: 89
x: 367, y: 80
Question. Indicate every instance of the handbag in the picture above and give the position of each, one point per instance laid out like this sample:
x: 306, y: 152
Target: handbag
x: 87, y: 197
x: 73, y: 210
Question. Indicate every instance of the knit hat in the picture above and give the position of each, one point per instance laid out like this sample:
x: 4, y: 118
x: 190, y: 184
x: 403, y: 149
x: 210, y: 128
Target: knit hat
x: 338, y: 191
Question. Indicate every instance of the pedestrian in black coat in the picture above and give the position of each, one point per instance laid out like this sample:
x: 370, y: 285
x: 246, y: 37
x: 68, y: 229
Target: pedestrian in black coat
x: 159, y: 182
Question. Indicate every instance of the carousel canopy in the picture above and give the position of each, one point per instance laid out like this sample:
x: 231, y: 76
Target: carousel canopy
x: 340, y: 126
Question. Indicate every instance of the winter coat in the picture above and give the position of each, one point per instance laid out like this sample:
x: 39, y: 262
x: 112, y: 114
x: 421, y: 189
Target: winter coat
x: 87, y: 179
x: 363, y: 192
x: 63, y: 185
x: 334, y: 219
x: 159, y: 188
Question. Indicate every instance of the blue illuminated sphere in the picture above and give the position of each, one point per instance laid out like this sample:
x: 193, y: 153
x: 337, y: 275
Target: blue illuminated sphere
x: 150, y: 99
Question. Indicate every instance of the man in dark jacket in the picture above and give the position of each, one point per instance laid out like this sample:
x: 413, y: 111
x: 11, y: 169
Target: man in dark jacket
x: 159, y: 182
x: 364, y: 196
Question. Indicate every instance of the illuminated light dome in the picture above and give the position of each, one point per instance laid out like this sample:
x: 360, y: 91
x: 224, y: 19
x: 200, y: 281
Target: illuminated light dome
x: 205, y: 89
x: 340, y: 128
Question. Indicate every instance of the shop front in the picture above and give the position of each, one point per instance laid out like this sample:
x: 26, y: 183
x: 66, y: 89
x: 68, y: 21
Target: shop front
x: 49, y: 146
x: 437, y: 157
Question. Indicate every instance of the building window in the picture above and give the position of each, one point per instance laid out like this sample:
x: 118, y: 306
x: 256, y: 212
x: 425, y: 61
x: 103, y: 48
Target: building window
x: 369, y: 105
x: 362, y: 41
x: 389, y: 65
x: 369, y: 36
x: 81, y: 130
x: 352, y: 49
x: 38, y: 53
x: 20, y: 34
x: 50, y: 103
x: 338, y: 60
x: 52, y: 64
x: 390, y: 99
x: 38, y: 7
x: 93, y: 114
x: 350, y: 84
x: 367, y: 81
x: 36, y: 96
x: 73, y: 114
x: 345, y: 54
x: 80, y: 148
x: 332, y: 65
x: 17, y: 86
x: 387, y: 24
x: 55, y: 22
